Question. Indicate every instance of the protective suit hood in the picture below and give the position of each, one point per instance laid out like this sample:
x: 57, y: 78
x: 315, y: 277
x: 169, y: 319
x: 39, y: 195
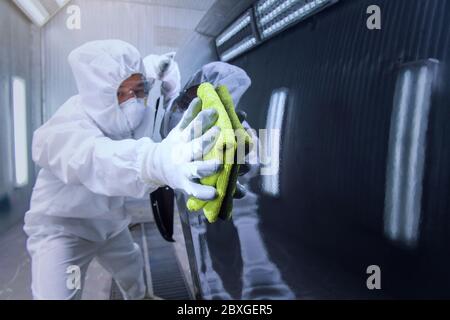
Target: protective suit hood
x: 221, y: 73
x: 216, y: 73
x: 99, y: 68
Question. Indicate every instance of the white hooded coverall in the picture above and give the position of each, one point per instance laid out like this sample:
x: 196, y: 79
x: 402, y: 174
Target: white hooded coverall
x: 89, y: 164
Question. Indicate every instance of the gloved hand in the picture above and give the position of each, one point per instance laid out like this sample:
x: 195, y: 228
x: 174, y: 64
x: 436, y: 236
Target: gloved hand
x: 170, y: 76
x: 164, y: 68
x: 176, y: 161
x: 165, y: 64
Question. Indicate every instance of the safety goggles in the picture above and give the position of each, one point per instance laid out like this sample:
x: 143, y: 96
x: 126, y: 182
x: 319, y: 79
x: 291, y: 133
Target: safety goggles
x: 143, y: 88
x: 139, y: 88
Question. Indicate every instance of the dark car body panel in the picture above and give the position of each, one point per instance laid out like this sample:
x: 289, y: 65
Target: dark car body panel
x: 317, y: 238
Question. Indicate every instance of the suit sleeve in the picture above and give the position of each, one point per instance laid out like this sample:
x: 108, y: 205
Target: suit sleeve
x: 78, y: 153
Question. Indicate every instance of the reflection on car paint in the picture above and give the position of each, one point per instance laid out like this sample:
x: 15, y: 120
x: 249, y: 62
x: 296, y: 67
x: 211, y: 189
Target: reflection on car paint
x: 261, y: 278
x: 407, y: 144
x: 271, y: 142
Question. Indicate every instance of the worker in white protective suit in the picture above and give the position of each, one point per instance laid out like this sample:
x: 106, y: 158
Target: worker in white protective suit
x: 90, y: 162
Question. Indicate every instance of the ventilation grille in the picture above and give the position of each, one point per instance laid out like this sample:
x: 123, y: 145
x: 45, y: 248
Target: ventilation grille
x: 167, y: 277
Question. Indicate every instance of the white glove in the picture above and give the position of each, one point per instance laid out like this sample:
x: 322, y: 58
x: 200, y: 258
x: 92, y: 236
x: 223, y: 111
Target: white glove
x: 177, y: 160
x: 164, y: 68
x: 165, y: 64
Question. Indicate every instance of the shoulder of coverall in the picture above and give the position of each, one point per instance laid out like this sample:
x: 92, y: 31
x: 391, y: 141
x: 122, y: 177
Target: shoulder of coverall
x: 70, y: 111
x: 70, y: 116
x: 69, y: 122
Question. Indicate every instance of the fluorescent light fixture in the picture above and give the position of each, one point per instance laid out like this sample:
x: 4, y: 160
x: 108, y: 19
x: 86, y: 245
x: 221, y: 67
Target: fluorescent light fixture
x: 239, y: 48
x: 271, y: 143
x: 237, y: 26
x: 39, y: 12
x: 407, y: 149
x: 34, y: 10
x: 264, y: 5
x: 62, y: 3
x: 286, y: 13
x: 272, y: 16
x: 20, y: 131
x: 278, y: 10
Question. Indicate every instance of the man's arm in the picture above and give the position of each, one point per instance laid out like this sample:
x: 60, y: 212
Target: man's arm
x: 78, y: 153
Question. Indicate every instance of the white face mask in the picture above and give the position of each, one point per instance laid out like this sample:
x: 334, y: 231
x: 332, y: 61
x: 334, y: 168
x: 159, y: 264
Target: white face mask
x: 134, y: 110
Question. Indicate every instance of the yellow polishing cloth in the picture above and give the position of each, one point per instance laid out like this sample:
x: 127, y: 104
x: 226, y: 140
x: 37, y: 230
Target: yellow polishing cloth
x: 224, y: 149
x: 231, y: 134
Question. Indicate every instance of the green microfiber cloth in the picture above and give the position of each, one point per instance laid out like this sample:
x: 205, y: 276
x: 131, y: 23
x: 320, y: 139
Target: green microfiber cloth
x: 241, y: 137
x: 225, y: 147
x: 231, y: 134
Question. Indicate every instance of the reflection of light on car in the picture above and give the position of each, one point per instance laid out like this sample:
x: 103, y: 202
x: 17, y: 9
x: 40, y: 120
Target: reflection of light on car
x: 270, y: 143
x: 406, y: 158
